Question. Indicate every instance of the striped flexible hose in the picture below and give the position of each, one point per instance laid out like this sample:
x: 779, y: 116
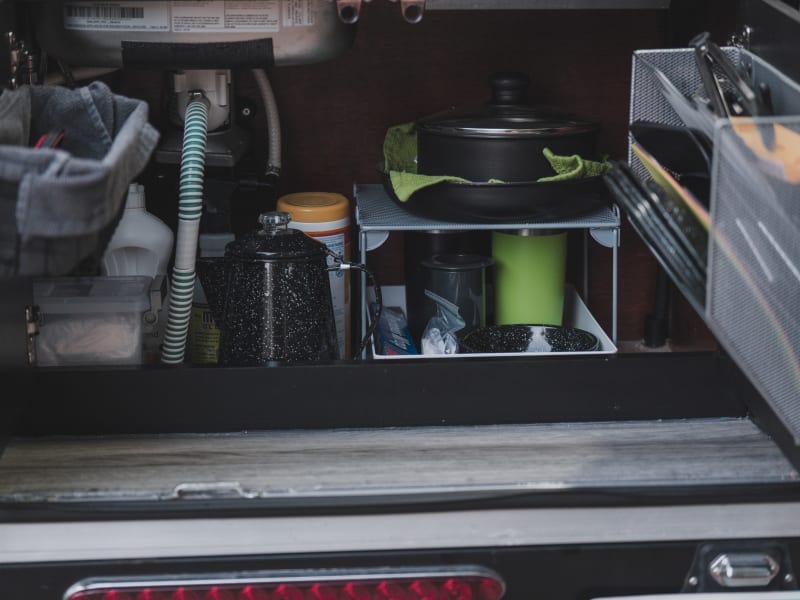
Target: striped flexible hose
x: 190, y: 208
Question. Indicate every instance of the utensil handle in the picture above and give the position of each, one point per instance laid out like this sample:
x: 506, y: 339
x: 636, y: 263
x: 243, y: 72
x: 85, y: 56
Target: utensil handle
x: 710, y: 83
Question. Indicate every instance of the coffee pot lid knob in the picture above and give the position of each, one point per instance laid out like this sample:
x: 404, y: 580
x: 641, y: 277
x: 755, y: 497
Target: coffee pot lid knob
x: 275, y: 241
x: 274, y: 220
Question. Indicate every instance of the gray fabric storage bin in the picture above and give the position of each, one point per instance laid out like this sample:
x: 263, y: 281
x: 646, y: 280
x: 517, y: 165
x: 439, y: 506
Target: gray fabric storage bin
x: 59, y: 206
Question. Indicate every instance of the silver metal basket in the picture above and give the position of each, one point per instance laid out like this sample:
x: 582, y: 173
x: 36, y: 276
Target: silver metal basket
x: 753, y: 299
x: 752, y: 302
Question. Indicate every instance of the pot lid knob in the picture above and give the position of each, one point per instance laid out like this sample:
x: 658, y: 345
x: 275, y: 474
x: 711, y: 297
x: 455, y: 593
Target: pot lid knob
x: 509, y: 88
x: 274, y: 221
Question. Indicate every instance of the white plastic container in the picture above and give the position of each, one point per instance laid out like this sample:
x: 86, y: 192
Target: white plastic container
x: 142, y: 243
x: 203, y: 340
x: 294, y: 32
x: 141, y: 246
x: 576, y: 314
x: 326, y: 217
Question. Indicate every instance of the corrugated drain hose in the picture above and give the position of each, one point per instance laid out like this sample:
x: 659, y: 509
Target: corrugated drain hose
x: 273, y: 122
x: 190, y: 208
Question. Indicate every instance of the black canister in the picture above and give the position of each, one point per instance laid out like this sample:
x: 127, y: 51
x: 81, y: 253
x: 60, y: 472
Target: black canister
x: 423, y: 244
x: 271, y: 296
x: 460, y: 279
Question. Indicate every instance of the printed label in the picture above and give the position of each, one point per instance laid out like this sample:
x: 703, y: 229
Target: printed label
x: 203, y: 339
x: 299, y: 13
x: 218, y: 15
x: 116, y: 16
x: 188, y: 16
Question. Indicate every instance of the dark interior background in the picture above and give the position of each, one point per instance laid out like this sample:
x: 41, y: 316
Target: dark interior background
x: 334, y: 115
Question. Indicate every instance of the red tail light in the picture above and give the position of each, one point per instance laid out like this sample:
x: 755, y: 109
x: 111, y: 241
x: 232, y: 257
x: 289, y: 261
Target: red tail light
x: 355, y: 591
x: 252, y: 592
x: 468, y: 583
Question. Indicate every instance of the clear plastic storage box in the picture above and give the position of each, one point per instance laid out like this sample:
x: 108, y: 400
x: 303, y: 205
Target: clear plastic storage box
x: 91, y: 320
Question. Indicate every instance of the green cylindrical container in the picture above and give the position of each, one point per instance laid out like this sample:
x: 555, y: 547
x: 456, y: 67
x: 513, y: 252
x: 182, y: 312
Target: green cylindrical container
x: 530, y: 269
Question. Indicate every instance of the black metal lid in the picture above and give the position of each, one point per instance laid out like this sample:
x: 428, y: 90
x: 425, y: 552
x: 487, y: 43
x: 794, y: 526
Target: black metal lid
x: 275, y: 241
x: 506, y: 115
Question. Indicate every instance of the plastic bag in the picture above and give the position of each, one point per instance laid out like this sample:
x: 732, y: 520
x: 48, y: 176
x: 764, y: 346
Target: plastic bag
x: 439, y: 336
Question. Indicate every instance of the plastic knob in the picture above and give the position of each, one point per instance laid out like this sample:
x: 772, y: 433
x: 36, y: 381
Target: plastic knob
x: 509, y: 88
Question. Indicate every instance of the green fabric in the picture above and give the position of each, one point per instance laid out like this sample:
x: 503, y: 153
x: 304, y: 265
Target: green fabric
x: 400, y: 162
x: 573, y: 167
x: 405, y: 184
x: 400, y: 148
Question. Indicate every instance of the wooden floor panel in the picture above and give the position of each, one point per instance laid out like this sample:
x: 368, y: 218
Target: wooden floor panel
x: 313, y: 463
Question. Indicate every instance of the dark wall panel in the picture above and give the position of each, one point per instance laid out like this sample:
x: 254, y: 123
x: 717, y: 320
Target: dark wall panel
x: 334, y: 115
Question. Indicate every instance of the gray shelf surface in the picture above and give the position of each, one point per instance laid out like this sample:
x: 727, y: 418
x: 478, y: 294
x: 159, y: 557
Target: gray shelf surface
x: 375, y: 211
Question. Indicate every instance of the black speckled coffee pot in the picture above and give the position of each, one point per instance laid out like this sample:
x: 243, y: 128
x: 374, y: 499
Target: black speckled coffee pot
x: 271, y: 297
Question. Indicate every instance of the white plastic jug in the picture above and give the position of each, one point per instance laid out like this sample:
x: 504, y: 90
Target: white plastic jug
x: 141, y: 245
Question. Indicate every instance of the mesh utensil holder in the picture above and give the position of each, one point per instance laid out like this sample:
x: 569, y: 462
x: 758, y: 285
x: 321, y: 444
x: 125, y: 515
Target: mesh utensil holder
x: 753, y: 297
x: 649, y: 101
x: 752, y: 302
x: 59, y: 205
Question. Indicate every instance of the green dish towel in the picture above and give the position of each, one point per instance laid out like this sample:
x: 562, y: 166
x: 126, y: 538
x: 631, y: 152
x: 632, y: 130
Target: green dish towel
x: 400, y: 148
x: 400, y: 162
x: 573, y: 167
x: 405, y: 184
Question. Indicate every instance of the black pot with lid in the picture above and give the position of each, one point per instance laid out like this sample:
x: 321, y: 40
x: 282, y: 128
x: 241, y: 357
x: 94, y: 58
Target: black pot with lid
x: 504, y: 140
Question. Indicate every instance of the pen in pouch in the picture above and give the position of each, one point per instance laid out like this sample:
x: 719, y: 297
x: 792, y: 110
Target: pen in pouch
x: 51, y: 139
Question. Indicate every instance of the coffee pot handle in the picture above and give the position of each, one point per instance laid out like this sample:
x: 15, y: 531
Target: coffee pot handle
x: 339, y: 264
